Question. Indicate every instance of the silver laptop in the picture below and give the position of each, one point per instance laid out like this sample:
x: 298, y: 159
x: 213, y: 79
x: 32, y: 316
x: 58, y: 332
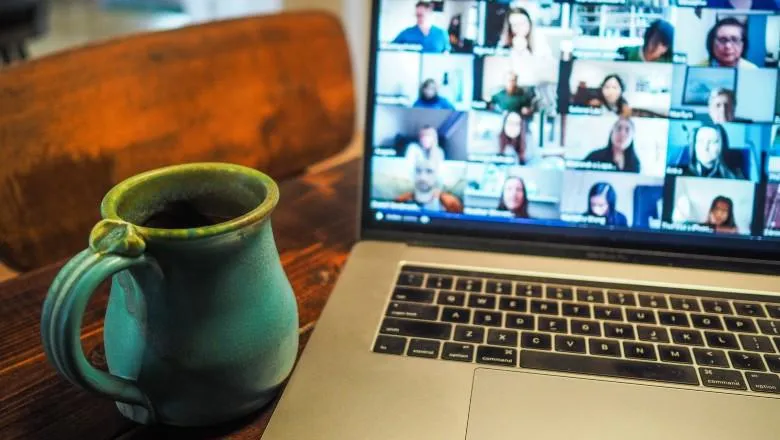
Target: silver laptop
x: 570, y: 228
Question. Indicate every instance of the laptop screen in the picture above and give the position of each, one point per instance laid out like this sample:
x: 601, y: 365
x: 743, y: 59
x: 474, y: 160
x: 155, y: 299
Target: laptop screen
x: 637, y: 120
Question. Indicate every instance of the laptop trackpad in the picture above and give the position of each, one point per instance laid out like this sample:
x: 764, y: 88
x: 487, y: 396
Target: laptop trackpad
x: 523, y: 405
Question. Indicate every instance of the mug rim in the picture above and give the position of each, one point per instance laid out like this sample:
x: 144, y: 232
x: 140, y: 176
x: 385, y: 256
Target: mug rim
x: 110, y: 204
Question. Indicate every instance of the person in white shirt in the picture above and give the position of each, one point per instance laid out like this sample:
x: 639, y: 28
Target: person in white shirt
x: 530, y: 55
x: 427, y: 146
x: 727, y: 44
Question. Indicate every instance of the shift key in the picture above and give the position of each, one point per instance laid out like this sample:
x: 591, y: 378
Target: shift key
x: 420, y: 329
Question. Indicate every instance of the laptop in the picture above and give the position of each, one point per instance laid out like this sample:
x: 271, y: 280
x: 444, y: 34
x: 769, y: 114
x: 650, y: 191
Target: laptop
x: 568, y: 228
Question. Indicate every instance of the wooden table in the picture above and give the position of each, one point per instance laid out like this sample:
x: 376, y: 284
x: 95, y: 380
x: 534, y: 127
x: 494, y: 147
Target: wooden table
x: 36, y: 403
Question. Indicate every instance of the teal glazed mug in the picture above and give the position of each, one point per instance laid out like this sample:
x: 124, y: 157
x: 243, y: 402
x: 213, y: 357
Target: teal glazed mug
x: 201, y: 325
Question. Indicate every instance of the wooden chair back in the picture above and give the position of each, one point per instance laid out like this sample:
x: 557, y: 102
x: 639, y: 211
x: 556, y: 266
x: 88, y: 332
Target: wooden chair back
x: 270, y: 92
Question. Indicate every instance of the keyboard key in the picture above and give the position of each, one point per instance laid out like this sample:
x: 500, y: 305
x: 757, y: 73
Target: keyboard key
x: 544, y: 307
x: 519, y: 321
x: 675, y: 319
x: 599, y: 366
x: 423, y: 348
x: 506, y: 338
x: 710, y: 322
x: 590, y: 328
x: 652, y: 334
x: 421, y: 329
x: 604, y: 347
x: 749, y: 309
x: 469, y: 284
x: 773, y: 310
x: 773, y: 361
x: 492, y: 319
x: 452, y: 299
x: 413, y: 311
x: 482, y: 301
x: 716, y: 306
x: 537, y: 341
x: 746, y: 361
x: 552, y: 325
x: 687, y: 337
x: 742, y: 325
x: 411, y: 294
x: 590, y: 295
x: 390, y: 344
x: 756, y: 343
x: 569, y: 344
x: 716, y: 378
x: 710, y: 358
x: 621, y: 331
x: 410, y: 279
x: 621, y: 298
x: 497, y: 356
x: 638, y: 350
x: 578, y: 310
x: 451, y: 314
x: 453, y: 351
x: 673, y: 353
x: 685, y: 304
x: 512, y: 304
x: 442, y: 282
x: 469, y: 334
x: 653, y: 301
x: 721, y: 340
x: 530, y: 290
x: 608, y: 313
x: 763, y: 383
x: 499, y: 287
x: 640, y: 315
x: 564, y: 293
x: 767, y: 327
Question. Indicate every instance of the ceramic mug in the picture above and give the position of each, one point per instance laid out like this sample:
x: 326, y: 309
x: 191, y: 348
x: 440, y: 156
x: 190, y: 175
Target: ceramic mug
x: 202, y: 324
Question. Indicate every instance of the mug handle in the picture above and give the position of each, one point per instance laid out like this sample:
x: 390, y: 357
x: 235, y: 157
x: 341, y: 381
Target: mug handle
x: 114, y: 247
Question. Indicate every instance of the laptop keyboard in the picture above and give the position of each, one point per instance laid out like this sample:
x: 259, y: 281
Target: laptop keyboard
x: 722, y: 340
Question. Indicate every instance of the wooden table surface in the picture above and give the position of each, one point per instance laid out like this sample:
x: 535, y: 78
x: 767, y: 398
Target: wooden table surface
x: 37, y: 403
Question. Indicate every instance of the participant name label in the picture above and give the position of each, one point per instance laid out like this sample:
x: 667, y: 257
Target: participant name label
x: 682, y: 227
x: 375, y: 204
x: 580, y: 218
x: 681, y: 114
x: 582, y: 165
x: 771, y: 233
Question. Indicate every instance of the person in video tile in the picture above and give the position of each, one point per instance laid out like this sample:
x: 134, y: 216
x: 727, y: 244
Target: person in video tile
x: 514, y: 197
x: 611, y: 96
x: 708, y: 154
x: 424, y: 33
x: 721, y: 106
x: 767, y: 5
x: 429, y: 97
x: 602, y: 202
x: 721, y: 216
x: 530, y: 55
x: 727, y: 43
x: 427, y: 189
x: 513, y: 98
x: 427, y: 147
x: 620, y: 150
x: 658, y: 44
x: 511, y: 141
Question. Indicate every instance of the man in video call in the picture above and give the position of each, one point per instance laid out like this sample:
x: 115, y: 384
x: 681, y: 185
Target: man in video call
x: 427, y: 193
x: 424, y: 33
x: 513, y: 98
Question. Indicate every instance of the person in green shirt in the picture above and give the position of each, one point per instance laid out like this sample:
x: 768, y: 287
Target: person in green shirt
x: 658, y: 46
x: 513, y: 98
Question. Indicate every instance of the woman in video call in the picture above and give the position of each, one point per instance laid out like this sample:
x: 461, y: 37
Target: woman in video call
x: 429, y: 97
x: 658, y: 44
x: 611, y: 96
x: 602, y: 203
x: 721, y: 216
x: 427, y: 146
x: 514, y: 197
x: 620, y: 150
x: 511, y: 141
x: 530, y: 54
x: 727, y: 43
x: 708, y: 154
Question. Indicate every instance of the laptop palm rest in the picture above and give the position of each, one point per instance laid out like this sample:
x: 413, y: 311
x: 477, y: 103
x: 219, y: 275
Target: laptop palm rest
x: 523, y: 405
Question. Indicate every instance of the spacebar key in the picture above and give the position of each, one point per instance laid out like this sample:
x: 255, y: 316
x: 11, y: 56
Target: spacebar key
x: 608, y: 367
